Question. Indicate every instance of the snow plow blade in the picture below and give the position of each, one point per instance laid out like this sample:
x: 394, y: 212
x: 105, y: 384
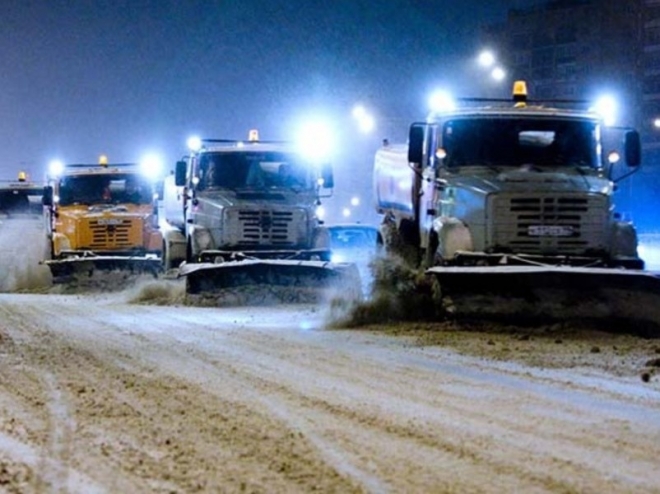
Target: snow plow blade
x: 261, y: 281
x: 77, y: 268
x: 540, y: 293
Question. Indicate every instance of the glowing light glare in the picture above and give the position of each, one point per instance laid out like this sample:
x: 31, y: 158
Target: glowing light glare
x: 613, y: 157
x: 194, y: 143
x: 498, y: 74
x: 346, y: 212
x: 656, y: 123
x: 606, y: 108
x: 366, y: 122
x: 320, y: 212
x: 359, y: 112
x: 56, y: 167
x: 316, y: 140
x: 441, y: 101
x: 486, y: 58
x: 355, y: 201
x: 151, y: 166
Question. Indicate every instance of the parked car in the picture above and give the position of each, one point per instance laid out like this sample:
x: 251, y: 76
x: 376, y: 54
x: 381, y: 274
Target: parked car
x: 354, y: 242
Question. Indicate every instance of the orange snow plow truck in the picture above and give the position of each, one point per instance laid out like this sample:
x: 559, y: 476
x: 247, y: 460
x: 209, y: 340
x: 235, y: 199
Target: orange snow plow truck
x: 100, y: 217
x: 509, y: 206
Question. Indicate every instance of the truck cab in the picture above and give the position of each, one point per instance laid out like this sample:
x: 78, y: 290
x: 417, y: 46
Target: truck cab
x: 254, y: 198
x: 512, y: 182
x: 104, y: 209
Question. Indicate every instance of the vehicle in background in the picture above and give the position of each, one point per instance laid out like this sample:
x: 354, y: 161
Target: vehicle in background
x: 101, y: 217
x: 357, y: 243
x: 354, y: 242
x: 245, y: 213
x: 20, y: 196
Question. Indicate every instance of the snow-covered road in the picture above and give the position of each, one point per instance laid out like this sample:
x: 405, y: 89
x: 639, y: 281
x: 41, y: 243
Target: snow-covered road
x: 134, y: 392
x: 98, y: 394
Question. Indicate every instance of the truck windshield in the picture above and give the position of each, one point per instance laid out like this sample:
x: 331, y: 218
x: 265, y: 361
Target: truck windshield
x: 250, y: 169
x: 105, y: 189
x: 516, y: 142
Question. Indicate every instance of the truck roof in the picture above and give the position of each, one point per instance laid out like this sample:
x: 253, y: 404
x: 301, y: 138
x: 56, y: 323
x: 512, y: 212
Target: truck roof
x: 246, y: 146
x: 95, y: 168
x: 515, y: 111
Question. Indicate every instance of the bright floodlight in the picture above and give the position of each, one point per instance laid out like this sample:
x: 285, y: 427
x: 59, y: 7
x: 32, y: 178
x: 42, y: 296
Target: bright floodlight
x: 346, y: 212
x: 55, y: 167
x: 441, y: 101
x: 151, y: 166
x: 498, y: 73
x: 355, y: 201
x: 366, y: 122
x: 194, y: 143
x: 606, y: 108
x: 656, y: 123
x: 320, y: 212
x: 359, y: 112
x: 486, y: 58
x: 315, y: 140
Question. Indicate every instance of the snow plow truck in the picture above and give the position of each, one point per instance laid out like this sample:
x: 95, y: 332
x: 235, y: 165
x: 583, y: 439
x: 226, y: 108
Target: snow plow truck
x: 15, y: 195
x: 100, y: 217
x: 509, y: 206
x: 241, y: 224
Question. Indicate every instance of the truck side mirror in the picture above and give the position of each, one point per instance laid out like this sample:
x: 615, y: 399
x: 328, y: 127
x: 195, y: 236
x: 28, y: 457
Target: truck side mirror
x: 632, y: 148
x: 47, y: 198
x: 327, y: 176
x: 180, y: 173
x: 416, y: 143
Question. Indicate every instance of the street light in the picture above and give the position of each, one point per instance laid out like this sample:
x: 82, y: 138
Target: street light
x: 486, y: 58
x: 365, y: 121
x: 498, y: 74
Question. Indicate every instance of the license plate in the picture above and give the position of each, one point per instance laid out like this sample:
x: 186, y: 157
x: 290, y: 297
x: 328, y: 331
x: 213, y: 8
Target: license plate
x: 110, y: 221
x: 549, y: 231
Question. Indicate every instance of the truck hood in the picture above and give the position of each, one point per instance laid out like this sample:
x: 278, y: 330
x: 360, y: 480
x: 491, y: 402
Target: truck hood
x: 520, y: 180
x: 101, y: 211
x: 256, y: 198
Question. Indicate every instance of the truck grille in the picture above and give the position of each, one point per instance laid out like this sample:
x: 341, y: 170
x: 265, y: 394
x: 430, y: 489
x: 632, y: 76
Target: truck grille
x: 549, y: 224
x: 255, y: 228
x: 113, y: 234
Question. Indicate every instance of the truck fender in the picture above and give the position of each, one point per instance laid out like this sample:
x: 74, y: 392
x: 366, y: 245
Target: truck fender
x: 60, y: 243
x: 321, y: 238
x: 624, y: 240
x: 200, y: 239
x: 453, y: 236
x: 174, y: 248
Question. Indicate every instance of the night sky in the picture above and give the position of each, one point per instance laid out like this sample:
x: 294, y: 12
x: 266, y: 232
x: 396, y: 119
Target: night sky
x: 81, y: 78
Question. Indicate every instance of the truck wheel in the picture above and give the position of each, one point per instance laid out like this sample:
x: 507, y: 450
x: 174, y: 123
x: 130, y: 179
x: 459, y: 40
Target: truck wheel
x: 431, y: 257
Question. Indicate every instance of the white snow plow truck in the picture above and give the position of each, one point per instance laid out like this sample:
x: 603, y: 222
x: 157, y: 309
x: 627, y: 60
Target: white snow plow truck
x: 242, y: 215
x: 509, y: 207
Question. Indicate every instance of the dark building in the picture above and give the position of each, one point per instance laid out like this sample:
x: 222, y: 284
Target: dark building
x: 580, y: 49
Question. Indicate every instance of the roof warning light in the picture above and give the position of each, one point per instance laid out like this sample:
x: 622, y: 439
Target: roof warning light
x: 520, y: 92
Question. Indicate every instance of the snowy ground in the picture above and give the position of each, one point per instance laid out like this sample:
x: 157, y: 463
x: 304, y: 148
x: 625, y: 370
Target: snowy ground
x: 649, y: 250
x: 133, y: 391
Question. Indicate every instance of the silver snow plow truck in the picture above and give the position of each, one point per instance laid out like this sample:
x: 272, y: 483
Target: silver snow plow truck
x: 509, y: 206
x: 241, y: 225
